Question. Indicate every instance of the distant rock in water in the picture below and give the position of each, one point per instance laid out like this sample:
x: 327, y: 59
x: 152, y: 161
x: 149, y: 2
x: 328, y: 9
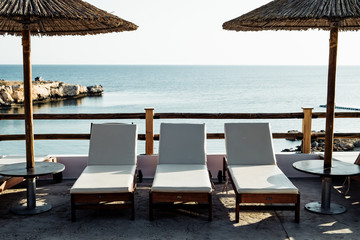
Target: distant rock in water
x: 318, y: 145
x: 12, y: 92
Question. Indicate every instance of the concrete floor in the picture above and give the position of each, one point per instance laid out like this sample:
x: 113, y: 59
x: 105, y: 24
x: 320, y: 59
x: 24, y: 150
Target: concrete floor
x: 177, y: 224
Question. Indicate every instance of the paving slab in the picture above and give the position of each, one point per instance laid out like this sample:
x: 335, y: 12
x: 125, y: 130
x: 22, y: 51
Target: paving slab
x: 181, y: 223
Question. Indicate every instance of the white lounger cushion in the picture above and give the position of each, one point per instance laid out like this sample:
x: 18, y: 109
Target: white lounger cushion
x: 12, y: 159
x: 349, y: 157
x: 112, y: 144
x: 261, y: 179
x: 249, y: 144
x: 105, y: 179
x: 182, y: 143
x: 182, y: 178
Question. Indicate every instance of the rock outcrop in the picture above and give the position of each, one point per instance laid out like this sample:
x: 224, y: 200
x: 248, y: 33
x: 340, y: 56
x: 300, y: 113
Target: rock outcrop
x: 340, y: 145
x: 318, y: 145
x: 12, y: 92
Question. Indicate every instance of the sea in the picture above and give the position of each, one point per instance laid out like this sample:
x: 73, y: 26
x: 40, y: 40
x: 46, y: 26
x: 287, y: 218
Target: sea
x: 183, y: 89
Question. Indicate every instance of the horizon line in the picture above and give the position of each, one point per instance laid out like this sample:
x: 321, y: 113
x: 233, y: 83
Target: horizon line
x: 235, y: 65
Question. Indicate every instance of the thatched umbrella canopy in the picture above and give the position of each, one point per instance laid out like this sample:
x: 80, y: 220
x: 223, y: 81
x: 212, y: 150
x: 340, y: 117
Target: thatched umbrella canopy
x: 300, y: 15
x: 333, y: 15
x: 58, y: 17
x: 51, y: 18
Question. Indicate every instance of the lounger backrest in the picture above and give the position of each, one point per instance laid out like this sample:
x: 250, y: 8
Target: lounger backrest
x: 182, y: 143
x: 113, y: 144
x: 249, y: 144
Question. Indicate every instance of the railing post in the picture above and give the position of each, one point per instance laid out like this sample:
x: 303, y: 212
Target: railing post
x: 149, y: 136
x: 306, y: 129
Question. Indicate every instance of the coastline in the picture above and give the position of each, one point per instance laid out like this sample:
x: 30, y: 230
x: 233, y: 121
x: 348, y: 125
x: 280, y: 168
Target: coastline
x: 12, y: 92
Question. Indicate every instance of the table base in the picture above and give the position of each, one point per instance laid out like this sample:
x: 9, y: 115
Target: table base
x: 23, y: 209
x: 316, y: 207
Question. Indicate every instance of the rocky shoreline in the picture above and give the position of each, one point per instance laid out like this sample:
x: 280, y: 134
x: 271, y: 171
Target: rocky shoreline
x: 318, y: 145
x: 12, y: 92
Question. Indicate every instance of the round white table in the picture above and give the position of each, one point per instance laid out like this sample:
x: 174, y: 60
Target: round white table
x: 19, y: 170
x: 316, y: 167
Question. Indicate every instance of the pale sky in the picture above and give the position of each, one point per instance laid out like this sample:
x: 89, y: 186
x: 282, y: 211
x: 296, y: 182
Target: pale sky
x: 184, y: 32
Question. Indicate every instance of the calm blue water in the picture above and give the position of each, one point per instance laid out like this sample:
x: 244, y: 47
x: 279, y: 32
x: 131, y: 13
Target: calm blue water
x: 211, y: 89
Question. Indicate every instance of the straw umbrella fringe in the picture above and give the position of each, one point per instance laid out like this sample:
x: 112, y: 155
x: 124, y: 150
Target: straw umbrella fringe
x: 58, y: 17
x: 299, y: 15
x: 333, y: 15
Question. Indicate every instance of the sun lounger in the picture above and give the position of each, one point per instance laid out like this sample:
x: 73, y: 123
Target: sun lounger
x: 349, y: 157
x: 110, y: 176
x: 251, y: 166
x: 8, y: 182
x: 182, y: 174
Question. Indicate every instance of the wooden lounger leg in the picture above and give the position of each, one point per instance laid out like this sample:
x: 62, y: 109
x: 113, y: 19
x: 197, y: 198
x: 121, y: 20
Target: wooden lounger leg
x: 73, y: 206
x: 210, y: 206
x: 237, y: 211
x: 224, y: 169
x: 151, y: 214
x: 57, y: 177
x: 297, y: 209
x: 132, y: 199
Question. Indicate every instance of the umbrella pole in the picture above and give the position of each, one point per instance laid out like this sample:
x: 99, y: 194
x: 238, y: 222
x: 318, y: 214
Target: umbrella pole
x: 330, y: 109
x: 29, y: 133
